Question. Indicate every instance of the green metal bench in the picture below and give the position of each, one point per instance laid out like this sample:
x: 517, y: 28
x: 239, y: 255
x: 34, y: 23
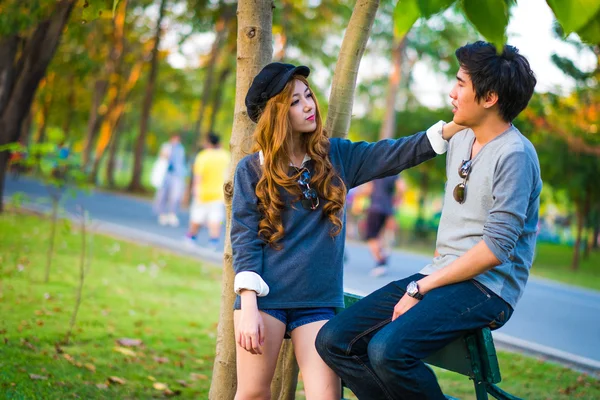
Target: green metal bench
x: 472, y: 355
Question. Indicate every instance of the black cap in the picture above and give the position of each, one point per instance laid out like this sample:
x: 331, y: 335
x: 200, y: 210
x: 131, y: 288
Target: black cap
x: 269, y: 82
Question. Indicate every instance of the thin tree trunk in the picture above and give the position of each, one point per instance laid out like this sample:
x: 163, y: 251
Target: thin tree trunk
x: 354, y: 43
x: 94, y: 120
x: 388, y: 127
x: 136, y: 177
x: 285, y: 381
x: 218, y: 97
x: 53, y: 222
x: 583, y: 209
x: 112, y: 157
x: 254, y: 50
x: 113, y: 116
x: 44, y: 113
x: 30, y: 69
x: 577, y: 246
x: 596, y: 237
x: 26, y: 128
x: 66, y: 128
x: 221, y: 34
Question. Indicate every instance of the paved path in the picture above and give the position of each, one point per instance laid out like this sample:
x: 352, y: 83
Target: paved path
x: 558, y: 320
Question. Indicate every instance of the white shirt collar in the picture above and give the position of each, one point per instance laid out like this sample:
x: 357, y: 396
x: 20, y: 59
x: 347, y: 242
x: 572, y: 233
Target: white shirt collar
x: 262, y: 158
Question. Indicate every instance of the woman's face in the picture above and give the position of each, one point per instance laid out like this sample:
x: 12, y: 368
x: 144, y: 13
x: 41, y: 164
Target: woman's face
x: 302, y: 112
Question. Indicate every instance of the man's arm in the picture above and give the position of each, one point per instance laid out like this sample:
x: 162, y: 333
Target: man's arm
x: 474, y: 262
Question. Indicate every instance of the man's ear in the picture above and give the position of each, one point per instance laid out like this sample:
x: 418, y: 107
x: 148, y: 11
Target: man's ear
x: 491, y: 98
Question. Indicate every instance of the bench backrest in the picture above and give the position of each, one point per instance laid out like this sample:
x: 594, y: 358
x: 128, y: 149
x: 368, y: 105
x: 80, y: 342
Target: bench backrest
x: 473, y: 355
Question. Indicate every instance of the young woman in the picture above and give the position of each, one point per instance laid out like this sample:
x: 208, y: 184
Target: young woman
x: 288, y: 225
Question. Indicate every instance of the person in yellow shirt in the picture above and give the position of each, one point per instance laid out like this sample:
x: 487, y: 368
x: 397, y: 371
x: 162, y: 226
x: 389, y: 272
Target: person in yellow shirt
x: 209, y: 172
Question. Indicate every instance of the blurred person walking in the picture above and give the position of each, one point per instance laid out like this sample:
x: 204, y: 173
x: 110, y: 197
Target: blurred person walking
x: 385, y: 194
x: 168, y: 176
x: 208, y: 200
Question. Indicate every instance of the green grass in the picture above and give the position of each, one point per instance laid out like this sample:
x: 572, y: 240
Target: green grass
x: 171, y: 303
x: 168, y: 302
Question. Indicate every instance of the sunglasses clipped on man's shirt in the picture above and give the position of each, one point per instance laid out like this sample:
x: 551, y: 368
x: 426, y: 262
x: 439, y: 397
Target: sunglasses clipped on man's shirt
x: 460, y: 191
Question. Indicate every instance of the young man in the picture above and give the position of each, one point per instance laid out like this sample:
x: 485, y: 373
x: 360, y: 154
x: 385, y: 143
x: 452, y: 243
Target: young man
x: 208, y: 208
x: 485, y: 243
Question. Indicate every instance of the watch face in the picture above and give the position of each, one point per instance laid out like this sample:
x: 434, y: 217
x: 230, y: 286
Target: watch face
x: 412, y: 288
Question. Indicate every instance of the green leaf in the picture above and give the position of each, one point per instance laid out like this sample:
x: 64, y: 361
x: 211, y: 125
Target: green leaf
x: 574, y: 14
x: 490, y: 18
x: 406, y: 14
x: 94, y: 9
x: 115, y: 5
x: 590, y: 33
x: 431, y: 7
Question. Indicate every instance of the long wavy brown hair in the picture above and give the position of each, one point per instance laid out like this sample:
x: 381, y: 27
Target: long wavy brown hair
x: 273, y: 136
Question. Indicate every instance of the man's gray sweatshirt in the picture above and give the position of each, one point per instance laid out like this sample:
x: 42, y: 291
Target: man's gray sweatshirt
x: 501, y: 208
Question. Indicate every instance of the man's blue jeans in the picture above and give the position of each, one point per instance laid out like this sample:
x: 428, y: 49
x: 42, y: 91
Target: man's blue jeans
x: 381, y: 359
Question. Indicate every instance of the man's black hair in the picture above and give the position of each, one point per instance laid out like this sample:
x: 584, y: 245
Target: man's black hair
x: 213, y: 139
x: 507, y: 74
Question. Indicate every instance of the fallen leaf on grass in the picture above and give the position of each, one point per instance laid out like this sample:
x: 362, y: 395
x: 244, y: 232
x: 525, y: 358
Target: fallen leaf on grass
x: 153, y: 379
x: 171, y: 393
x: 160, y: 386
x: 195, y: 377
x: 89, y: 366
x: 116, y: 379
x: 102, y: 386
x: 183, y: 383
x: 125, y: 351
x: 38, y: 377
x: 129, y: 342
x: 161, y: 360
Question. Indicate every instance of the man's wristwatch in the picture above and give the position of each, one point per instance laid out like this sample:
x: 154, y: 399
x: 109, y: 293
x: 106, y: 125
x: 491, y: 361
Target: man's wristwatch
x: 413, y: 291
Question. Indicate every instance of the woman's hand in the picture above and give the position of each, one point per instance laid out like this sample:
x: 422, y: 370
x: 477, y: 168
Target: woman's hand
x: 450, y: 129
x: 251, y: 328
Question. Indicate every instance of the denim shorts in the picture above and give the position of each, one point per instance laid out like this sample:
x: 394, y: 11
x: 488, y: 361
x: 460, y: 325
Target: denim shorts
x: 296, y: 317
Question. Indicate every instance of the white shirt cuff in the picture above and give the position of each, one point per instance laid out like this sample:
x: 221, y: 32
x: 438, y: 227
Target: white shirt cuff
x: 434, y: 134
x: 248, y: 280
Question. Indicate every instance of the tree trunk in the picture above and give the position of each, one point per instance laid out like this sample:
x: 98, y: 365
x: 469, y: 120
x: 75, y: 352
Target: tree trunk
x: 221, y: 34
x: 25, y: 134
x: 218, y: 97
x: 388, y: 127
x: 583, y: 210
x: 114, y: 114
x: 110, y: 84
x: 112, y: 157
x: 9, y: 46
x: 31, y: 67
x: 354, y: 43
x: 596, y: 237
x: 285, y: 381
x: 254, y: 50
x: 46, y: 102
x: 94, y: 120
x: 3, y: 163
x: 136, y: 177
x: 66, y: 128
x: 577, y: 246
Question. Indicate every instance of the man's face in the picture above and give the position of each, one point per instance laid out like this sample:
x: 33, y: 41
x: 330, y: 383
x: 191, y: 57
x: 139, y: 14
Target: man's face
x: 467, y: 111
